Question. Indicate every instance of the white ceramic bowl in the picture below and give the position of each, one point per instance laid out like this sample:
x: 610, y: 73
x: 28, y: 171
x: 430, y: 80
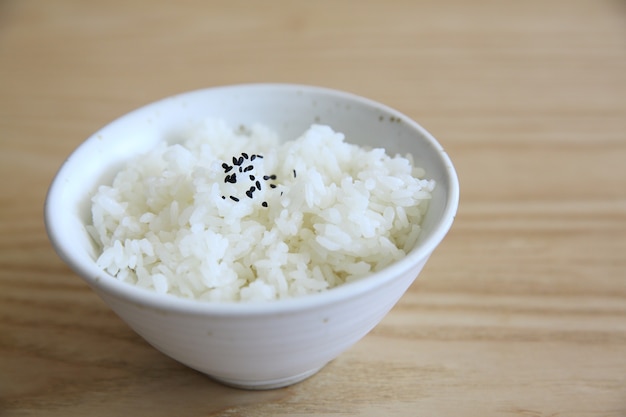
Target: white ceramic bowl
x: 254, y: 345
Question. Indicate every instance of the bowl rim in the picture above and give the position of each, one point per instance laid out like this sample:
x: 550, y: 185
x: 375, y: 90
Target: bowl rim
x: 103, y: 283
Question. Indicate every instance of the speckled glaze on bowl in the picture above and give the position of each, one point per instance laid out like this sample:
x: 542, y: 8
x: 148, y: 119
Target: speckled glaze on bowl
x: 252, y: 345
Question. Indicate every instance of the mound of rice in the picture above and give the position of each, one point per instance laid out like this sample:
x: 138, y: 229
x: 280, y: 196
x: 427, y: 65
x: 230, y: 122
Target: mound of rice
x: 239, y: 215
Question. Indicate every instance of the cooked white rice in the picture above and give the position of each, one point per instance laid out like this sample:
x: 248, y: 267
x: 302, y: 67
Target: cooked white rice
x: 312, y: 213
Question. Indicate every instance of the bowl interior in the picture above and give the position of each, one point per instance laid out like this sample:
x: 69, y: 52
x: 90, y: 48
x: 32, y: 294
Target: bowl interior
x: 287, y: 109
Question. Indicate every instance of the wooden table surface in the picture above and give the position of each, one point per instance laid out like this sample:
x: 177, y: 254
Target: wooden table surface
x: 520, y: 312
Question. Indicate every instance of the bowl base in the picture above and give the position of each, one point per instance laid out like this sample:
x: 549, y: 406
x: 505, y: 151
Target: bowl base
x: 266, y: 384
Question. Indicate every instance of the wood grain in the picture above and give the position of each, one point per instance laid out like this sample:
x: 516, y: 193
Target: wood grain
x: 520, y: 312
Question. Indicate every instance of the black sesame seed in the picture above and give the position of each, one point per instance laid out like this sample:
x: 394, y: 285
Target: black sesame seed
x: 272, y: 185
x: 225, y: 165
x: 248, y: 168
x: 259, y: 156
x: 253, y: 157
x: 294, y: 173
x: 252, y: 177
x: 264, y: 204
x: 232, y: 178
x: 240, y: 169
x: 245, y: 155
x: 235, y: 161
x: 266, y: 177
x: 240, y: 160
x: 223, y: 198
x: 272, y: 177
x: 226, y: 170
x: 258, y: 185
x: 249, y: 193
x: 234, y: 198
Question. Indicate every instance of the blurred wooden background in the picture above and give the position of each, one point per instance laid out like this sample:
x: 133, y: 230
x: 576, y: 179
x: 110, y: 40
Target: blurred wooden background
x: 520, y: 312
